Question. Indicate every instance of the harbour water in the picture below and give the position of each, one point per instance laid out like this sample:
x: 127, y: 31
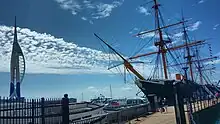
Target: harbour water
x: 209, y: 115
x: 218, y: 119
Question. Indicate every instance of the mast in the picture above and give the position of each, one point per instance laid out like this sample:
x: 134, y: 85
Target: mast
x: 189, y: 56
x: 160, y: 43
x: 110, y: 91
x: 82, y: 96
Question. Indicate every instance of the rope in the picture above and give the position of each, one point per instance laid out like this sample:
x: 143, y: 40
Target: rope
x: 144, y: 46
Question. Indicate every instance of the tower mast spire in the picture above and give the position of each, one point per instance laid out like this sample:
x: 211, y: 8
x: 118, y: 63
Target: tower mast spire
x: 160, y: 43
x: 17, y: 67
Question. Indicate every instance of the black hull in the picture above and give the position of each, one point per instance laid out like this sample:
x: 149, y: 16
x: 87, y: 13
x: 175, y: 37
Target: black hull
x: 164, y: 89
x: 160, y: 89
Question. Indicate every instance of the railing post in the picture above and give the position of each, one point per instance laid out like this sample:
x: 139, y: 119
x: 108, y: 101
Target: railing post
x: 42, y: 111
x: 32, y: 111
x: 118, y: 120
x: 194, y: 102
x: 197, y: 102
x: 200, y: 100
x: 65, y: 109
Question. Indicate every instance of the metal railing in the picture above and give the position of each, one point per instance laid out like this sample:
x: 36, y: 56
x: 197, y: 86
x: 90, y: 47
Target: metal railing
x: 61, y: 111
x: 30, y: 111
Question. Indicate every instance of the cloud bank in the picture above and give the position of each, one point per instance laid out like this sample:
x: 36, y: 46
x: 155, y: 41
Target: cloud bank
x: 45, y: 53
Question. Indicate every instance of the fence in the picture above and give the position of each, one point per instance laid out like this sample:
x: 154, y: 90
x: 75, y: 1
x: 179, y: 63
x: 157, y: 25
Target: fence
x: 34, y: 111
x: 61, y: 111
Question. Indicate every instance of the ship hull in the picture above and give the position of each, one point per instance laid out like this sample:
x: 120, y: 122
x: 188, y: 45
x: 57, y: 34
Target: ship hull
x: 161, y: 89
x: 164, y: 89
x: 156, y: 87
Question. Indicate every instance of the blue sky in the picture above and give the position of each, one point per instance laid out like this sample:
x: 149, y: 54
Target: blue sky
x: 62, y: 54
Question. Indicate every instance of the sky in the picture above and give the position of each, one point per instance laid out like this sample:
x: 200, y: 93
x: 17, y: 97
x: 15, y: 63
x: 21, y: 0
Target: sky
x: 62, y: 54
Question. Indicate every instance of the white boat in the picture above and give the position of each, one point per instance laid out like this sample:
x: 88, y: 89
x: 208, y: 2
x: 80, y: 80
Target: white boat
x: 119, y: 104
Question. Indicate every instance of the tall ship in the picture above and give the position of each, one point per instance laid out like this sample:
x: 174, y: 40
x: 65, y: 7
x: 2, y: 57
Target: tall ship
x: 172, y: 56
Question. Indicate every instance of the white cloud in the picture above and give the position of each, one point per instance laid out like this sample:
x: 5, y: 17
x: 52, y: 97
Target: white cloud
x: 201, y: 1
x: 147, y: 35
x: 133, y: 30
x: 104, y: 10
x: 143, y: 10
x: 84, y: 18
x: 45, y: 53
x: 91, y: 22
x: 96, y: 10
x: 152, y: 34
x: 88, y: 4
x: 91, y: 87
x: 72, y: 5
x: 176, y: 37
x: 214, y: 62
x: 180, y: 34
x: 168, y: 19
x: 127, y: 88
x: 194, y: 26
x: 215, y: 26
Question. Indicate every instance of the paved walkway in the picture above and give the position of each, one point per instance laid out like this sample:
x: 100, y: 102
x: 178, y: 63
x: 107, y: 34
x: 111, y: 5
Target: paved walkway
x: 157, y: 118
x: 168, y: 118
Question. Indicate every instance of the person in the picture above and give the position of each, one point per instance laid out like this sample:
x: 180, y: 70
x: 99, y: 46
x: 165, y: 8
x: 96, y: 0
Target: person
x: 165, y: 105
x: 160, y: 105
